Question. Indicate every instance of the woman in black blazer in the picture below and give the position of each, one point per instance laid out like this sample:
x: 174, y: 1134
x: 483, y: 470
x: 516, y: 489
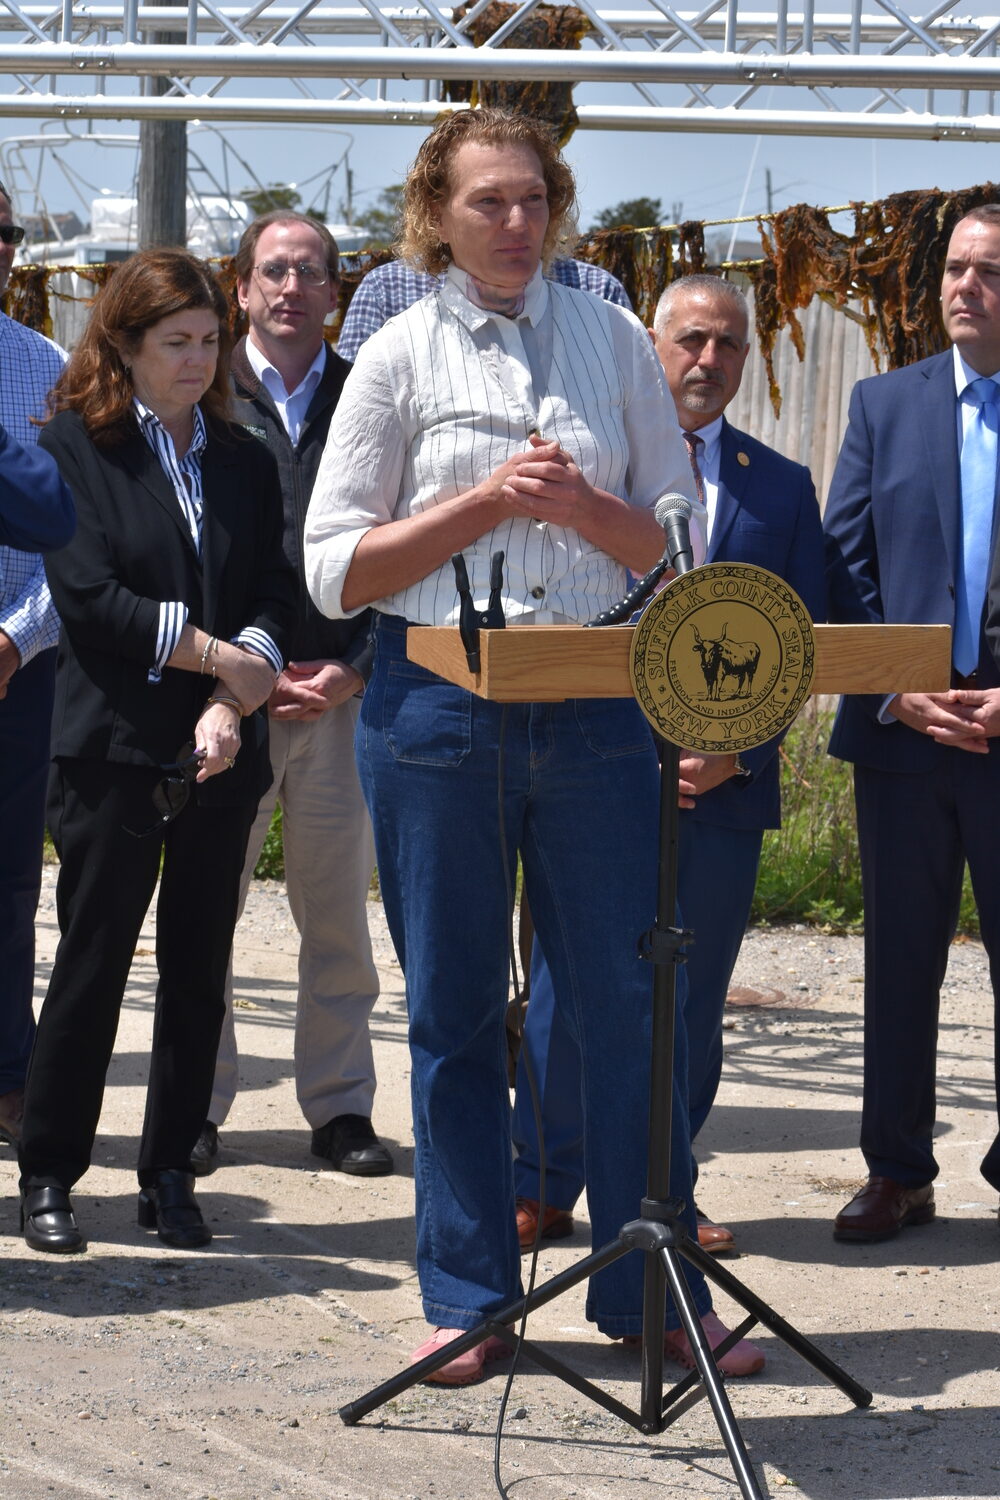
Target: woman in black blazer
x: 175, y: 598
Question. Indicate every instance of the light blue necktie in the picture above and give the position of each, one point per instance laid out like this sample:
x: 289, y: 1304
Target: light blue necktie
x: 979, y: 482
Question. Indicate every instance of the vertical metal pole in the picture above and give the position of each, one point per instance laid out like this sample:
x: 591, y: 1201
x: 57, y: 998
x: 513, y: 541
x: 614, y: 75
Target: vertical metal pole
x: 781, y: 29
x: 162, y: 207
x: 731, y: 16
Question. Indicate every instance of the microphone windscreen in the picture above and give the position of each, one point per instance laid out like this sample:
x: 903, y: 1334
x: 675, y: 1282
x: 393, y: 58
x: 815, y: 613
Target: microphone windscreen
x: 671, y: 505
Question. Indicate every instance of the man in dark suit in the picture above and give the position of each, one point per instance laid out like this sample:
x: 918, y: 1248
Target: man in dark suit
x: 762, y: 509
x: 909, y: 521
x: 30, y: 365
x: 287, y: 382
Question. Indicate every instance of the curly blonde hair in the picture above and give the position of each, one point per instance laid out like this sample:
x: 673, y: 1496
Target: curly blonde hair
x: 428, y: 182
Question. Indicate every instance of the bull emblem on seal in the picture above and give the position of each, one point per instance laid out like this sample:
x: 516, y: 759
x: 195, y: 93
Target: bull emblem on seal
x: 722, y: 658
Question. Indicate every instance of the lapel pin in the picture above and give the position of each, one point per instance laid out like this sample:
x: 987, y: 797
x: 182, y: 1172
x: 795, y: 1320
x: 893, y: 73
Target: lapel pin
x: 743, y: 459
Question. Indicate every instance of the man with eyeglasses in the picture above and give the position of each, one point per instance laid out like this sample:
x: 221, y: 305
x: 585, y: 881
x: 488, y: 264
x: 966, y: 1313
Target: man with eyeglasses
x: 29, y: 629
x: 287, y: 382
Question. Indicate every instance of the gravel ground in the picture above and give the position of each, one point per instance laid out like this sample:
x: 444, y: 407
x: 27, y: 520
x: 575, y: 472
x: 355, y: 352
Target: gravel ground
x: 135, y: 1370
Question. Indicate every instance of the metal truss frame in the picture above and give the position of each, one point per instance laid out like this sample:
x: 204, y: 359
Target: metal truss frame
x: 869, y: 71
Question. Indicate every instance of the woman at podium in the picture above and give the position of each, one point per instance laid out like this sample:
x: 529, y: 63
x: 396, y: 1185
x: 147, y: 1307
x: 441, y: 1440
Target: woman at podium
x: 504, y: 412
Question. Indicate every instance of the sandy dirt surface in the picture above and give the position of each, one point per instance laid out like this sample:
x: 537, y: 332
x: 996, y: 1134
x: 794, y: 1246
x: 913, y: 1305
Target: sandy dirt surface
x: 135, y: 1370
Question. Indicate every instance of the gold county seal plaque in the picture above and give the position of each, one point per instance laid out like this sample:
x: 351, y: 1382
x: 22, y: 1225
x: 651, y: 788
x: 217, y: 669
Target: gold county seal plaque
x: 722, y: 658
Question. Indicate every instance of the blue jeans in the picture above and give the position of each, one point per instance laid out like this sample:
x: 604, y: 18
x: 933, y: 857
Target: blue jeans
x: 578, y: 786
x: 718, y: 916
x: 551, y: 1047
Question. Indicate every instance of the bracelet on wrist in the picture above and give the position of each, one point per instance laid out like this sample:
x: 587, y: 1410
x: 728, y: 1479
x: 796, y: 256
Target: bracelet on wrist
x: 212, y: 644
x: 229, y: 702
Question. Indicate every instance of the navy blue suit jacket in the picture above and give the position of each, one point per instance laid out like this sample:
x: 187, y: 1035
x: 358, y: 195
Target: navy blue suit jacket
x: 36, y: 507
x: 767, y: 514
x: 892, y: 523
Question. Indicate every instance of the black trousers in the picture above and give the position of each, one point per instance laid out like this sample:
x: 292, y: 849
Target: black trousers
x: 106, y: 882
x: 915, y: 834
x: 25, y: 716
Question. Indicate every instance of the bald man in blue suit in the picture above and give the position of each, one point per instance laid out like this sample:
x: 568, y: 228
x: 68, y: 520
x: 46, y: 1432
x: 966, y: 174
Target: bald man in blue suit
x: 762, y: 510
x: 910, y: 529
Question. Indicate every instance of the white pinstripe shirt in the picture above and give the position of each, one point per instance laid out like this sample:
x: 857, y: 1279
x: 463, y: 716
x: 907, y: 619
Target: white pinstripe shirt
x: 30, y: 365
x: 444, y: 394
x: 184, y: 475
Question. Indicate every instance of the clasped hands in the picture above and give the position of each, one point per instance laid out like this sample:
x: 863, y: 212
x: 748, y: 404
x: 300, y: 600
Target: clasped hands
x: 545, y: 484
x: 964, y: 718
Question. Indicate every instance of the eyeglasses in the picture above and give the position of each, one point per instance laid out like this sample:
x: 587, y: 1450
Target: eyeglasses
x: 277, y: 272
x: 170, y: 796
x: 11, y: 234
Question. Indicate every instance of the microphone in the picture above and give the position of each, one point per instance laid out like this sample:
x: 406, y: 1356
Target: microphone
x: 673, y: 513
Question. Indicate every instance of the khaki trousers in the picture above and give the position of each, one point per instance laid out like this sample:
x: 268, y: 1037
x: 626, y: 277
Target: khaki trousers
x: 329, y: 858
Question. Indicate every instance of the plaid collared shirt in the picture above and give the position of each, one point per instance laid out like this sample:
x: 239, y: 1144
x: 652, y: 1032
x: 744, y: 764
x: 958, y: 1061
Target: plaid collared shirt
x: 30, y: 365
x: 390, y: 289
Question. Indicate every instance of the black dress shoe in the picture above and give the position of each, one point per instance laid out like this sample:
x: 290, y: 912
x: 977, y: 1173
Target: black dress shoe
x: 205, y: 1156
x: 167, y: 1204
x: 47, y: 1220
x: 350, y: 1143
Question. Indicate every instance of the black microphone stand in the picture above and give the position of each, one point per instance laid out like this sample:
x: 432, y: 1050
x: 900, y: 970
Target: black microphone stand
x: 659, y: 1233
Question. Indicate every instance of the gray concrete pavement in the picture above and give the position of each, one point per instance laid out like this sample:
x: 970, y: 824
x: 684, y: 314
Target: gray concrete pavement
x: 135, y: 1370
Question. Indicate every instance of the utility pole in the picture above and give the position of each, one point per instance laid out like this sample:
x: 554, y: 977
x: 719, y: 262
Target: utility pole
x: 162, y: 167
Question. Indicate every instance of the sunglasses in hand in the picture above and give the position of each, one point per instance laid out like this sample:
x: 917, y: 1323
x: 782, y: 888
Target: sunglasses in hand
x: 171, y: 793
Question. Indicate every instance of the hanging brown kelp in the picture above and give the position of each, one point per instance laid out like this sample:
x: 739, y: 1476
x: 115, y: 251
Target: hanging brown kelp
x: 27, y: 298
x: 690, y: 249
x: 548, y: 28
x: 898, y: 258
x: 642, y: 259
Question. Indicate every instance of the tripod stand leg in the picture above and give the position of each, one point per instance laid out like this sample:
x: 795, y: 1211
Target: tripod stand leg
x: 711, y: 1379
x: 766, y: 1315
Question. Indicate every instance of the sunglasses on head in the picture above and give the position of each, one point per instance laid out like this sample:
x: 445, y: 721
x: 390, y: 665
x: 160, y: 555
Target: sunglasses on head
x: 11, y: 234
x: 170, y: 795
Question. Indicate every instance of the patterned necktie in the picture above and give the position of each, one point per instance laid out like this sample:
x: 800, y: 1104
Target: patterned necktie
x: 979, y: 479
x: 693, y: 443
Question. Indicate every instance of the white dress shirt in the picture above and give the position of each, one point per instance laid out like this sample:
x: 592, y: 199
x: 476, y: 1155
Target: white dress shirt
x: 444, y: 394
x: 291, y: 406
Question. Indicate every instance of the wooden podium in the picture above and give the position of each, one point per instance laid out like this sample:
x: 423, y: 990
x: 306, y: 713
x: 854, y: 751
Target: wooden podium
x: 548, y: 663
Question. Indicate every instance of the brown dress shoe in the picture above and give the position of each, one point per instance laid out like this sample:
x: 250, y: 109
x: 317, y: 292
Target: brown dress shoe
x: 882, y: 1208
x: 557, y: 1224
x: 715, y: 1238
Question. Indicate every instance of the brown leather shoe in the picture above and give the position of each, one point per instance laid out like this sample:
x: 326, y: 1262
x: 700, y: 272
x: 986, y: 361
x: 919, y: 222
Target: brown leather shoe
x: 715, y: 1238
x: 882, y: 1208
x: 557, y: 1224
x: 11, y: 1110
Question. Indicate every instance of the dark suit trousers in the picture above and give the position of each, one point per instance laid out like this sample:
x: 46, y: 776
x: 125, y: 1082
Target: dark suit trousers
x: 106, y: 882
x: 25, y: 719
x: 915, y: 833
